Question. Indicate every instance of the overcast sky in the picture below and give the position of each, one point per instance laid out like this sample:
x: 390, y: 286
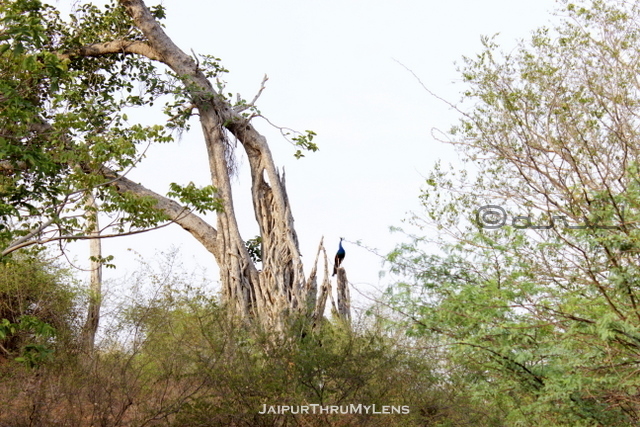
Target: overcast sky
x: 335, y: 68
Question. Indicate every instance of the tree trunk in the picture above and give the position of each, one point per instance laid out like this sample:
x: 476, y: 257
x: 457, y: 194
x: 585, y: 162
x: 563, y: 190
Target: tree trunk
x: 344, y: 300
x: 95, y: 286
x: 280, y: 288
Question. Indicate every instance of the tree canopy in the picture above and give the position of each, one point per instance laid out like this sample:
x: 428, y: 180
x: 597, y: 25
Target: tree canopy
x: 537, y: 287
x: 68, y: 145
x: 65, y: 120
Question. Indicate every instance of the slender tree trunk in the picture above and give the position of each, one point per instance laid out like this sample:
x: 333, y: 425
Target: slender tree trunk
x: 95, y: 284
x: 344, y: 300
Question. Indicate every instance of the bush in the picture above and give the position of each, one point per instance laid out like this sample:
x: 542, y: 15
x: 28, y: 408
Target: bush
x: 37, y: 302
x: 179, y: 359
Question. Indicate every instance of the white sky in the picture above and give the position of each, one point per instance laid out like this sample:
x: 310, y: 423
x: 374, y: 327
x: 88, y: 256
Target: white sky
x: 332, y: 69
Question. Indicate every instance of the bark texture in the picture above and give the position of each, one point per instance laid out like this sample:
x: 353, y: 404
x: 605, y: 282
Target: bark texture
x: 95, y: 284
x: 279, y: 288
x: 344, y: 299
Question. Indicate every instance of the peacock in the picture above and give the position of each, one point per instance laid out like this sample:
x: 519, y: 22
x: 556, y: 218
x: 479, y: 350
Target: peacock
x: 338, y: 259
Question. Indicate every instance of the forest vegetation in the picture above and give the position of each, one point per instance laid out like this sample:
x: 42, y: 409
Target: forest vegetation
x: 526, y: 314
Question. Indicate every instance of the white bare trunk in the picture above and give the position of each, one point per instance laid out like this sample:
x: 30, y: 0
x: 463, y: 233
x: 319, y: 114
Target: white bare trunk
x: 95, y: 283
x: 280, y: 288
x: 344, y: 300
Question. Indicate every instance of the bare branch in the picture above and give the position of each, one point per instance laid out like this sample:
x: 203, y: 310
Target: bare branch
x: 241, y: 108
x: 189, y: 221
x: 24, y: 244
x: 115, y: 46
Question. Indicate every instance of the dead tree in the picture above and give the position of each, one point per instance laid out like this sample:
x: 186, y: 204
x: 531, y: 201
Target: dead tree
x: 279, y: 289
x: 344, y: 300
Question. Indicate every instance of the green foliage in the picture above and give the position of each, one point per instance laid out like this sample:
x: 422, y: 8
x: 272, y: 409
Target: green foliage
x: 104, y: 261
x: 37, y: 309
x: 26, y: 77
x: 64, y: 117
x: 305, y: 142
x: 33, y: 354
x: 230, y: 369
x: 545, y: 320
x: 200, y: 199
x: 254, y: 246
x: 175, y: 353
